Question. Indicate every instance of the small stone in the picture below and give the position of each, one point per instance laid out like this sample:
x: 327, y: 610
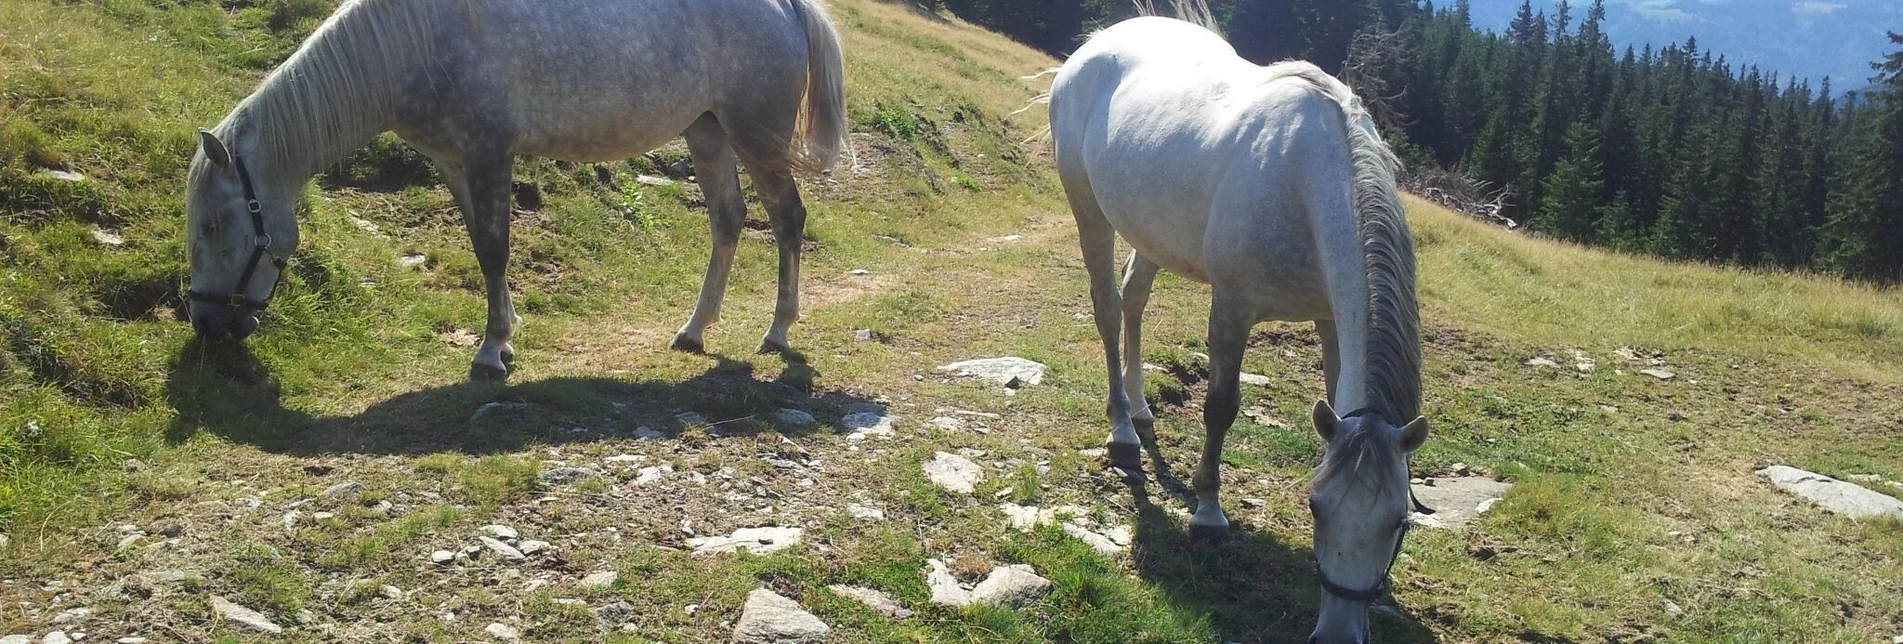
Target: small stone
x: 651, y: 474
x: 797, y: 417
x: 412, y: 260
x: 1840, y: 497
x: 947, y: 422
x: 390, y: 592
x: 1458, y: 500
x: 499, y: 531
x: 865, y: 512
x: 651, y: 180
x: 1672, y: 609
x: 507, y: 551
x: 1254, y: 503
x: 599, y: 580
x: 107, y: 238
x: 1256, y: 379
x: 57, y: 637
x: 502, y: 631
x: 17, y: 639
x: 1661, y: 374
x: 130, y: 640
x: 562, y: 475
x: 615, y: 613
x: 71, y: 614
x: 442, y: 557
x: 882, y: 603
x: 862, y: 335
x: 1005, y: 239
x: 1541, y: 362
x: 531, y: 546
x: 242, y: 616
x: 1100, y: 543
x: 954, y: 473
x: 859, y: 271
x: 649, y: 434
x: 869, y: 423
x: 625, y: 459
x: 1486, y: 505
x: 759, y: 541
x: 323, y: 516
x: 1014, y: 585
x: 1010, y: 371
x: 127, y: 541
x: 768, y: 618
x: 64, y: 175
x: 341, y: 489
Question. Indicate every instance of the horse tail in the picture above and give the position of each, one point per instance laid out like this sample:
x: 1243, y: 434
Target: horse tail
x: 820, y: 132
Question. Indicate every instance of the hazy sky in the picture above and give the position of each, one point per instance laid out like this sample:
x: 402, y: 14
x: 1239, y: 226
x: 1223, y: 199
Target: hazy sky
x: 1807, y: 38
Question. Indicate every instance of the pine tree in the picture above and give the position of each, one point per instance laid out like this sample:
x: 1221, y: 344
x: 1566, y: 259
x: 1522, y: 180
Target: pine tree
x: 1572, y: 194
x: 1864, y: 237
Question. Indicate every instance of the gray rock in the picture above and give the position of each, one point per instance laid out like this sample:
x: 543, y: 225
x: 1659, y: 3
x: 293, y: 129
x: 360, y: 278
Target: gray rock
x: 342, y: 489
x: 242, y: 616
x: 953, y: 472
x: 72, y: 614
x: 598, y: 580
x: 615, y: 613
x: 1840, y: 497
x: 442, y: 557
x: 531, y: 546
x: 502, y: 631
x: 562, y: 475
x: 1256, y: 379
x: 947, y: 422
x: 651, y: 474
x: 878, y: 601
x: 797, y: 417
x: 1672, y: 609
x: 412, y: 260
x: 651, y: 180
x: 499, y: 531
x: 759, y: 541
x: 508, y: 552
x: 865, y: 512
x: 649, y: 434
x: 17, y: 639
x: 1661, y: 374
x: 64, y: 175
x: 130, y: 640
x: 56, y: 637
x: 1456, y: 501
x: 1012, y: 372
x: 1013, y: 585
x: 868, y: 423
x: 108, y: 238
x: 768, y: 618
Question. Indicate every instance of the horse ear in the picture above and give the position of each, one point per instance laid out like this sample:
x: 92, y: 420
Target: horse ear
x: 1414, y: 434
x: 1326, y: 422
x: 214, y: 148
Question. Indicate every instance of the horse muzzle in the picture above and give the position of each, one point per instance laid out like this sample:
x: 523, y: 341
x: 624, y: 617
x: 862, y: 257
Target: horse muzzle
x: 223, y: 321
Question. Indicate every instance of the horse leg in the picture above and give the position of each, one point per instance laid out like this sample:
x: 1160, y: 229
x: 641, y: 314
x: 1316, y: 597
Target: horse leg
x: 781, y: 194
x: 1228, y: 334
x: 719, y: 177
x: 484, y: 200
x: 1331, y: 355
x: 1139, y: 274
x: 1098, y: 240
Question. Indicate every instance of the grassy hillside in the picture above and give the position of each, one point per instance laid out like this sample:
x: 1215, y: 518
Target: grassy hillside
x: 1632, y: 492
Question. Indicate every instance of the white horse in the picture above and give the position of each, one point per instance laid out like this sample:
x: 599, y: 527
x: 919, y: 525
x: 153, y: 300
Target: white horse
x: 1271, y: 185
x: 473, y: 83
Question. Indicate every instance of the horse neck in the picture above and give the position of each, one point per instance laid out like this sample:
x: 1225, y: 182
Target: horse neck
x: 338, y: 91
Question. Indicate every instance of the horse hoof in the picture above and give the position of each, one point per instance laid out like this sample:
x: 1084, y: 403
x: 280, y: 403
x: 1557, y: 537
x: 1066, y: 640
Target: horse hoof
x: 486, y: 373
x: 685, y: 344
x: 769, y: 346
x: 1125, y: 456
x: 1209, y: 535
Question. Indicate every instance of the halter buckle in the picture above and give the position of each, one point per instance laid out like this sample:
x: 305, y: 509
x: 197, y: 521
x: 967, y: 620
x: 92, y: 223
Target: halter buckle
x: 253, y: 206
x: 261, y: 240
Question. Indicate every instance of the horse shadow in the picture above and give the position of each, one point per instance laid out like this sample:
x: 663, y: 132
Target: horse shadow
x: 224, y: 389
x: 1255, y: 588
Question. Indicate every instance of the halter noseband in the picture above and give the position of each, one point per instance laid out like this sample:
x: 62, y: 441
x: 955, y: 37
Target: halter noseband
x: 261, y: 246
x: 1380, y: 588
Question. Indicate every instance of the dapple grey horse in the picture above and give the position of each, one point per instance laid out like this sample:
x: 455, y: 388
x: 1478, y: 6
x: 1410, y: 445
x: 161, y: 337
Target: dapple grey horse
x: 1271, y: 185
x: 473, y: 83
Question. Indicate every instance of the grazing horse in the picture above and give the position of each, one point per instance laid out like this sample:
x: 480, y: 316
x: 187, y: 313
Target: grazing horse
x: 1271, y: 185
x: 473, y: 83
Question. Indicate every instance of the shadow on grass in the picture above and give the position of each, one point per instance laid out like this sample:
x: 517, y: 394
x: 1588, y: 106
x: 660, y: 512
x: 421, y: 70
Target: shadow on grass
x: 1254, y: 588
x: 224, y: 389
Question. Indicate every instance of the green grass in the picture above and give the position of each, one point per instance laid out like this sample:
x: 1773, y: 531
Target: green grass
x: 1631, y: 491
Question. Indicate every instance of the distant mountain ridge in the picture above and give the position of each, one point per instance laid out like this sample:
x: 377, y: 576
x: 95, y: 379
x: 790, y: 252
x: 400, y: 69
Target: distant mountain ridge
x: 1809, y: 39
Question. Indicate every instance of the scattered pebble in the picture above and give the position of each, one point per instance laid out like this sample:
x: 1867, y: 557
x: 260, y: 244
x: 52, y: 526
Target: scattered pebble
x: 649, y: 434
x: 1013, y: 585
x: 531, y: 546
x: 1661, y: 374
x: 953, y: 472
x: 865, y: 512
x: 1255, y: 379
x: 507, y: 551
x: 599, y: 580
x: 1012, y: 372
x: 502, y: 631
x: 563, y: 475
x: 1540, y: 362
x: 797, y: 417
x: 759, y: 541
x: 108, y: 238
x: 341, y: 489
x: 57, y: 637
x: 500, y: 531
x: 1672, y: 609
x: 768, y: 618
x: 242, y: 616
x: 877, y: 601
x: 412, y: 260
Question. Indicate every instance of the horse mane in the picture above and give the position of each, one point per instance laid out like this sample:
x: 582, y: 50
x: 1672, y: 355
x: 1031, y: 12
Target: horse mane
x: 339, y: 87
x: 1195, y: 12
x: 1370, y: 461
x: 1394, y: 344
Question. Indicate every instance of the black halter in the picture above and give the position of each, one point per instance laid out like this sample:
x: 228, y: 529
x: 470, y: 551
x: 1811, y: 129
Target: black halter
x: 261, y: 246
x: 1380, y: 588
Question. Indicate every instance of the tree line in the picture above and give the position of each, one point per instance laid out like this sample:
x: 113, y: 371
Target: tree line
x: 1675, y: 151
